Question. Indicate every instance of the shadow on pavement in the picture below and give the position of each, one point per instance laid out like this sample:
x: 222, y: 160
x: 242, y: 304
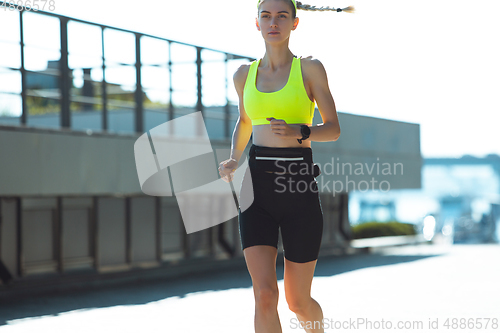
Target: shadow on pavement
x: 142, y: 292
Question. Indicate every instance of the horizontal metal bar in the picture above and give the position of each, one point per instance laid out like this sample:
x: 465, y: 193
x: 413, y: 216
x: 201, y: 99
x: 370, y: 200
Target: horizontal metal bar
x: 48, y: 71
x: 44, y: 93
x: 10, y: 68
x: 38, y: 47
x: 10, y: 93
x: 86, y: 99
x: 114, y: 64
x: 4, y: 41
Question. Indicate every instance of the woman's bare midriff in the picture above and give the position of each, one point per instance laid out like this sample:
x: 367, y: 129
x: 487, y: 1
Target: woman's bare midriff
x: 264, y: 136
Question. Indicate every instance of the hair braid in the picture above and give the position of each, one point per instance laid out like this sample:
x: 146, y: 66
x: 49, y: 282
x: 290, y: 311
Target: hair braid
x: 299, y: 5
x: 302, y: 6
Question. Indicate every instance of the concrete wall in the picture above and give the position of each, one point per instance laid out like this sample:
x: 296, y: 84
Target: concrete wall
x: 36, y: 161
x: 72, y: 201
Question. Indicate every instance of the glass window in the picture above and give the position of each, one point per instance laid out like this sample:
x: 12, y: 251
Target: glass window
x: 154, y: 51
x: 184, y: 76
x: 213, y: 78
x: 9, y: 21
x: 41, y: 31
x: 85, y: 63
x: 10, y: 55
x: 10, y: 81
x: 84, y: 40
x: 120, y: 85
x: 10, y: 109
x: 119, y: 47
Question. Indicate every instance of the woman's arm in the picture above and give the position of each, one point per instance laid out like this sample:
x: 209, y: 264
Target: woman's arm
x: 329, y: 130
x: 243, y: 129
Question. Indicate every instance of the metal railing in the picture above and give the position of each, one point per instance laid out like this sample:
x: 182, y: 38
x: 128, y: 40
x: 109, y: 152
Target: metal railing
x: 53, y: 96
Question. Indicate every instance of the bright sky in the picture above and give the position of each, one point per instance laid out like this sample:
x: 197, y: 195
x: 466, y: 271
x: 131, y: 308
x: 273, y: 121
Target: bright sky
x: 435, y: 63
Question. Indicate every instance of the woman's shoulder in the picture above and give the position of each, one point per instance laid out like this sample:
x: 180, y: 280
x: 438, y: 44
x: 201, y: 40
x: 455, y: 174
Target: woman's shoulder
x: 241, y: 74
x: 311, y: 65
x: 243, y: 70
x: 313, y: 71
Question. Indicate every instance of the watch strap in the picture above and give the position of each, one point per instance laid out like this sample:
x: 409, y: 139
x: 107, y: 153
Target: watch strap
x: 304, y: 128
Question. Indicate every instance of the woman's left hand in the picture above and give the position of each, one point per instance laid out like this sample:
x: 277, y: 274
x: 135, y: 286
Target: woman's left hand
x: 281, y: 128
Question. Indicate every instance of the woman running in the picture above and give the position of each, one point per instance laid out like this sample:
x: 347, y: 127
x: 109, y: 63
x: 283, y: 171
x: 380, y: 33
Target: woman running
x: 277, y: 95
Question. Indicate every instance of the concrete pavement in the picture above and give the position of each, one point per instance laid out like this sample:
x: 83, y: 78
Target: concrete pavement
x: 415, y: 285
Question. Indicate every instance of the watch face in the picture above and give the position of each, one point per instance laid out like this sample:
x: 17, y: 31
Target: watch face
x: 306, y: 130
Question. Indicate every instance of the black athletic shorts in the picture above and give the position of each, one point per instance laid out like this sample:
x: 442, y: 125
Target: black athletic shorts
x: 286, y: 198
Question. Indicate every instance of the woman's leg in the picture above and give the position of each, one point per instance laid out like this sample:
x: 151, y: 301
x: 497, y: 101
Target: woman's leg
x: 298, y: 279
x: 261, y: 263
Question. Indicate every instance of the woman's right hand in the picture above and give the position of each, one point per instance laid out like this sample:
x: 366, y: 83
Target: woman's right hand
x: 227, y: 169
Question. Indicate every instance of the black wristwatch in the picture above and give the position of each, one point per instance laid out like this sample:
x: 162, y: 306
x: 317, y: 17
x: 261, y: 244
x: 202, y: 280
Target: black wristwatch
x: 305, y: 131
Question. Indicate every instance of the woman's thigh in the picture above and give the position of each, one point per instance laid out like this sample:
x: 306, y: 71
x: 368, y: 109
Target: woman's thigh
x: 297, y: 280
x: 261, y: 264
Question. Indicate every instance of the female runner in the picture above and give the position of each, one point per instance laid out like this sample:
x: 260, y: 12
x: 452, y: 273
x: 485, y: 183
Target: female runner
x: 277, y: 95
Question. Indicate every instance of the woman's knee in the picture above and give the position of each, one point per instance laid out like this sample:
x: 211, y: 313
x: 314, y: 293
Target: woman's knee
x: 266, y: 297
x: 299, y: 305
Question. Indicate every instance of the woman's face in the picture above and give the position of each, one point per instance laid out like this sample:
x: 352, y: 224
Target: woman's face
x: 275, y: 20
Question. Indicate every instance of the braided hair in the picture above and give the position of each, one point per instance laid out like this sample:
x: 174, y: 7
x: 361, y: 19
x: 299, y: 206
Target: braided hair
x: 302, y: 6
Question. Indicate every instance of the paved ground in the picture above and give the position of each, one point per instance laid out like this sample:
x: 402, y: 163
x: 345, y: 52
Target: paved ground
x: 417, y: 284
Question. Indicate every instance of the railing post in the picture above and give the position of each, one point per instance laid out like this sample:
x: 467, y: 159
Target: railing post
x: 104, y: 87
x: 64, y: 80
x: 158, y: 229
x: 170, y: 106
x: 128, y: 231
x: 19, y: 236
x: 199, y: 104
x: 58, y: 235
x: 24, y: 113
x: 139, y: 107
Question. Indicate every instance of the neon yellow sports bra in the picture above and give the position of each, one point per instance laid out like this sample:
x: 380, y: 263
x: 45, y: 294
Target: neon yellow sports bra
x: 291, y: 103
